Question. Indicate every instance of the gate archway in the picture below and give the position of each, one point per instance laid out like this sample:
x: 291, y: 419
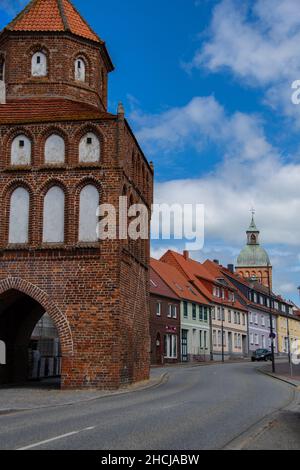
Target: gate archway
x: 22, y: 305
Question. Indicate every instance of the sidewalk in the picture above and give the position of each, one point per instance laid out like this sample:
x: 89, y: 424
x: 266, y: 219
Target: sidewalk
x: 47, y: 394
x: 283, y: 372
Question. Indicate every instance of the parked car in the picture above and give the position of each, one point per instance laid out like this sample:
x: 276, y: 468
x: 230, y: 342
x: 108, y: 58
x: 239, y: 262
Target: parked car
x: 261, y: 355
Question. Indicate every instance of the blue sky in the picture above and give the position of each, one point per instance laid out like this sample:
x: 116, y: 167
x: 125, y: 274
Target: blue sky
x: 207, y: 88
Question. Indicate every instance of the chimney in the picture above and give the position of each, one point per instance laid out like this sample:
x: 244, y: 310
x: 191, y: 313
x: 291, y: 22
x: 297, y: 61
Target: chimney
x: 230, y: 268
x: 216, y: 261
x: 186, y: 255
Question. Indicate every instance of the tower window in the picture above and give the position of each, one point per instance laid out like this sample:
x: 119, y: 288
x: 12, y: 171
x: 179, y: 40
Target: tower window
x: 1, y: 69
x: 21, y: 144
x: 80, y: 70
x: 39, y: 65
x: 89, y: 140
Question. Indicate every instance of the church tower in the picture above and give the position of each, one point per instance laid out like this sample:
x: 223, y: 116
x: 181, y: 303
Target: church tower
x: 254, y: 262
x: 61, y: 156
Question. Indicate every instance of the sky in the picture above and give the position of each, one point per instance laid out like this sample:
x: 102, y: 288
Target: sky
x: 207, y: 87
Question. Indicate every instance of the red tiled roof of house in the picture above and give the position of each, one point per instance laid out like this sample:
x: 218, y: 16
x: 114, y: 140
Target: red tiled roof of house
x: 159, y: 287
x: 198, y: 274
x: 41, y: 110
x: 52, y: 15
x: 177, y: 282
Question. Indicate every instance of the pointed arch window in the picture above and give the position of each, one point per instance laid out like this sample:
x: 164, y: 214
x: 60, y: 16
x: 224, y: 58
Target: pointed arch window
x: 19, y: 216
x: 88, y: 220
x: 89, y: 149
x: 39, y: 64
x: 55, y: 149
x: 54, y: 216
x: 21, y: 151
x: 80, y: 70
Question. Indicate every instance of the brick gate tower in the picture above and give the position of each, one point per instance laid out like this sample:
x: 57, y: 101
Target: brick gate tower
x: 62, y: 154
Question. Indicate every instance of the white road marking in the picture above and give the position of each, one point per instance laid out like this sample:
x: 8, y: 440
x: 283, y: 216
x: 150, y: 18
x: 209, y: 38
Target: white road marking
x: 63, y: 436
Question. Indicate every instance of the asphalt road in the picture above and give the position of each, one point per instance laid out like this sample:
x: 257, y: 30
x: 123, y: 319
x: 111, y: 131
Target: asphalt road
x: 197, y: 408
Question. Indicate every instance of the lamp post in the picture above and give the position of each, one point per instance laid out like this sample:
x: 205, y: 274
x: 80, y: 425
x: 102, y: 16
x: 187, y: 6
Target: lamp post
x: 272, y: 335
x: 223, y: 313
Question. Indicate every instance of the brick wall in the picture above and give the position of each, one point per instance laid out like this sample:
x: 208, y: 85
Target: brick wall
x: 96, y: 293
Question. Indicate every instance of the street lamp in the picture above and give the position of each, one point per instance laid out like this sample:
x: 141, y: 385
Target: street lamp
x: 272, y: 334
x: 223, y: 314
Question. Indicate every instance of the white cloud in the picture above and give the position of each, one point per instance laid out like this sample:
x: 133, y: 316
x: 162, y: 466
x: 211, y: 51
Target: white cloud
x: 251, y: 173
x: 203, y: 119
x: 258, y: 42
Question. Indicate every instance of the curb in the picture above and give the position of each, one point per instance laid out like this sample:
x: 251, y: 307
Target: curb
x: 151, y: 384
x: 281, y: 378
x: 261, y: 426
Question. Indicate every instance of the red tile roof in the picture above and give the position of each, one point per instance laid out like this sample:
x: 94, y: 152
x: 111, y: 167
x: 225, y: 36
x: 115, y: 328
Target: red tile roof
x: 40, y: 110
x: 52, y: 15
x: 159, y: 287
x: 199, y: 275
x: 177, y: 282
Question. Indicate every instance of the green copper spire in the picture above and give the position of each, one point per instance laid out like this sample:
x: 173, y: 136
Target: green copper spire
x: 253, y: 255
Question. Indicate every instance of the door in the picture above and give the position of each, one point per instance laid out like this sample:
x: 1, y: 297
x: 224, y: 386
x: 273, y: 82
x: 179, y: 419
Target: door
x: 184, y: 345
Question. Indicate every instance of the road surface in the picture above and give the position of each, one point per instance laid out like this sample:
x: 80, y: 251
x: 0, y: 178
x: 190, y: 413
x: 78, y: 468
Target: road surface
x: 196, y: 408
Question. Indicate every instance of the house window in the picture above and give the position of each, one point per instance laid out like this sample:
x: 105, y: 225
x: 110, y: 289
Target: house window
x: 219, y: 338
x: 185, y: 309
x: 214, y: 338
x: 257, y: 340
x: 229, y: 316
x: 205, y: 311
x: 205, y: 340
x: 158, y: 309
x: 213, y: 313
x: 251, y: 338
x: 263, y: 341
x: 19, y: 216
x: 170, y: 311
x: 170, y: 349
x: 263, y: 320
x: 174, y: 311
x: 194, y: 312
x: 201, y: 316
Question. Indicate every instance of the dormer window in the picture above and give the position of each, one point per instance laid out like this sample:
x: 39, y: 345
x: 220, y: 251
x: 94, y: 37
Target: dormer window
x: 39, y: 65
x: 80, y: 70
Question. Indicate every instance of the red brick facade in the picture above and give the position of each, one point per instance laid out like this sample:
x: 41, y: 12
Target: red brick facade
x: 164, y: 321
x: 97, y: 293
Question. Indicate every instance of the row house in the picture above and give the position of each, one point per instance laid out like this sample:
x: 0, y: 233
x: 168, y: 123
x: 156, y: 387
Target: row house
x: 228, y: 322
x: 195, y: 313
x: 164, y: 321
x: 263, y: 305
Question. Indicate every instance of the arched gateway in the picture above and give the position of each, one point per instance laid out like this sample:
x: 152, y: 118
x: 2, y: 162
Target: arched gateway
x: 96, y: 292
x: 22, y: 305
